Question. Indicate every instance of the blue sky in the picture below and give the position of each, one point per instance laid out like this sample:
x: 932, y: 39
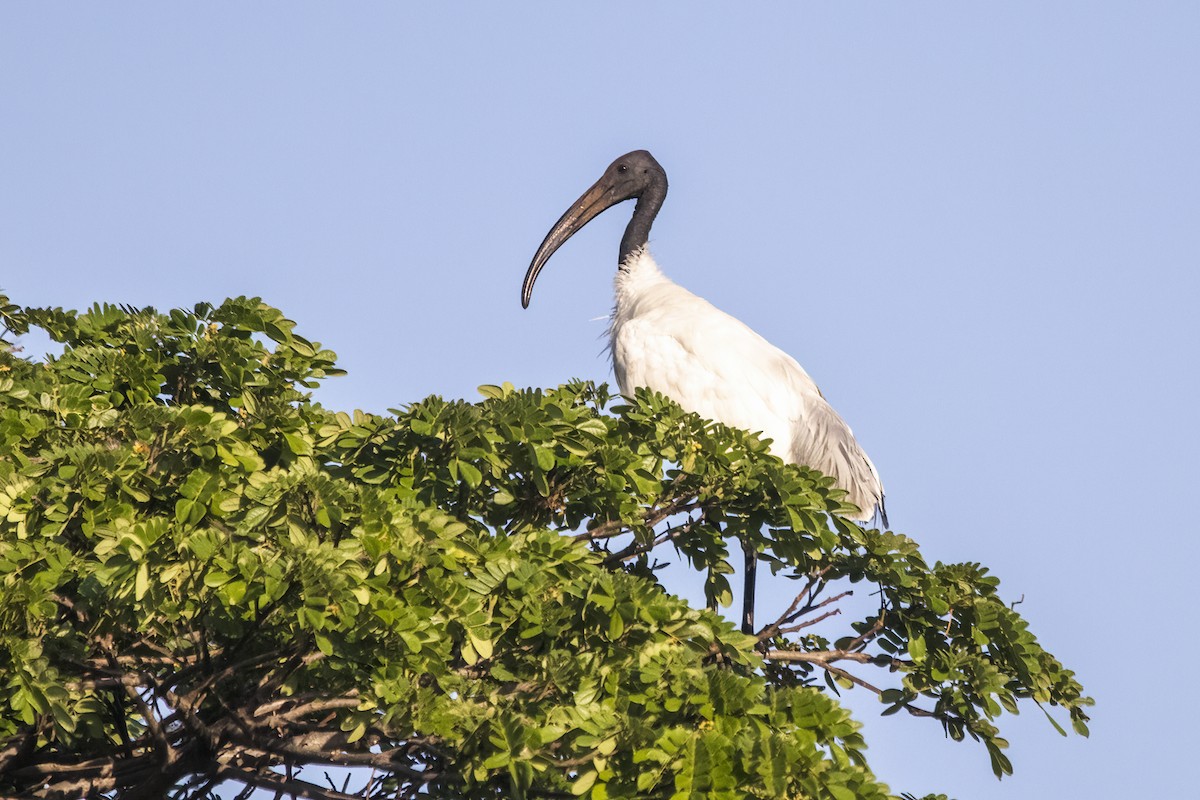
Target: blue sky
x: 977, y: 228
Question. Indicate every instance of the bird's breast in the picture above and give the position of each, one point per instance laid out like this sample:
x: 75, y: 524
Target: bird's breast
x: 669, y: 340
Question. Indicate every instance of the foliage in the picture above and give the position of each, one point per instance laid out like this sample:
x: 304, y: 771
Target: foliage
x: 205, y: 576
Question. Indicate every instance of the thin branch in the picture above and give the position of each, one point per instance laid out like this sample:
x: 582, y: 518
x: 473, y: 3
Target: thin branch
x: 578, y: 761
x: 162, y: 745
x: 860, y: 682
x: 270, y: 712
x: 285, y: 785
x: 653, y: 516
x: 825, y: 659
x: 810, y: 622
x: 792, y: 613
x: 638, y: 548
x: 808, y: 609
x: 326, y: 747
x: 869, y: 633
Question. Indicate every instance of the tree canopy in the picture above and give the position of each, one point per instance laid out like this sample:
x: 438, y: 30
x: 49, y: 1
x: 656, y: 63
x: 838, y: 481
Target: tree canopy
x: 207, y: 578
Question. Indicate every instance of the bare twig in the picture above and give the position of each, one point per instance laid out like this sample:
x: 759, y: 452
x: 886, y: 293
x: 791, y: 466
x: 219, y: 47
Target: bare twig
x: 869, y: 633
x: 825, y: 660
x: 787, y: 616
x: 810, y: 622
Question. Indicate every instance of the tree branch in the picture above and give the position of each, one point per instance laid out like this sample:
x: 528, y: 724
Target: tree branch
x: 809, y: 623
x: 637, y: 548
x: 820, y: 657
x: 281, y: 784
x: 653, y: 516
x: 794, y: 611
x: 825, y: 660
x: 869, y: 633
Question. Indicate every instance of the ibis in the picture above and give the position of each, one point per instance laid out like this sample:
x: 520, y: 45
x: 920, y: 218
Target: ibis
x: 667, y: 339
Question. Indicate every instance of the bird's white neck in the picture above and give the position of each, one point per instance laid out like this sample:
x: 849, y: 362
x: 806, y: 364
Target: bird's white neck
x: 639, y: 288
x: 635, y: 275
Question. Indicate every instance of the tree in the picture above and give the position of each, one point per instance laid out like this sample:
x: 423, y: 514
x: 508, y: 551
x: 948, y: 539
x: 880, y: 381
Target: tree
x: 208, y: 577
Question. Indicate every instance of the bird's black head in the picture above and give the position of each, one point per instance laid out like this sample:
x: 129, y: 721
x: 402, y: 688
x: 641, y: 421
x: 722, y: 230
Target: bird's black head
x: 633, y: 175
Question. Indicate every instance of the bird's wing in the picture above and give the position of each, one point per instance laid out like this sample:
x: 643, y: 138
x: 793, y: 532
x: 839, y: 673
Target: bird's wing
x: 718, y: 367
x: 822, y: 440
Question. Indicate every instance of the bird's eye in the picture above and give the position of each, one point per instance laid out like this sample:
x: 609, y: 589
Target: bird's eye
x: 622, y: 168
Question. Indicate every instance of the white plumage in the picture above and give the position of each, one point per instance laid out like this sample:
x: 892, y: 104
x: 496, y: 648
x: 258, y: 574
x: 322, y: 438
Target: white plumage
x: 671, y: 341
x: 667, y: 339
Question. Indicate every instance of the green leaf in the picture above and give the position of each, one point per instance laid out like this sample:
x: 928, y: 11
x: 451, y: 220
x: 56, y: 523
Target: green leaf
x: 216, y: 577
x: 1053, y: 721
x: 298, y: 443
x: 142, y: 581
x: 481, y: 643
x: 584, y: 782
x: 470, y: 474
x: 916, y: 648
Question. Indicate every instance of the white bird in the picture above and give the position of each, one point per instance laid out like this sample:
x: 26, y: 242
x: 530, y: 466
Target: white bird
x: 667, y: 339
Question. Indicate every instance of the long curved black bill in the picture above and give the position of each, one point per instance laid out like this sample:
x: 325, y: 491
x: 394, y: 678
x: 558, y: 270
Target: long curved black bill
x: 595, y: 200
